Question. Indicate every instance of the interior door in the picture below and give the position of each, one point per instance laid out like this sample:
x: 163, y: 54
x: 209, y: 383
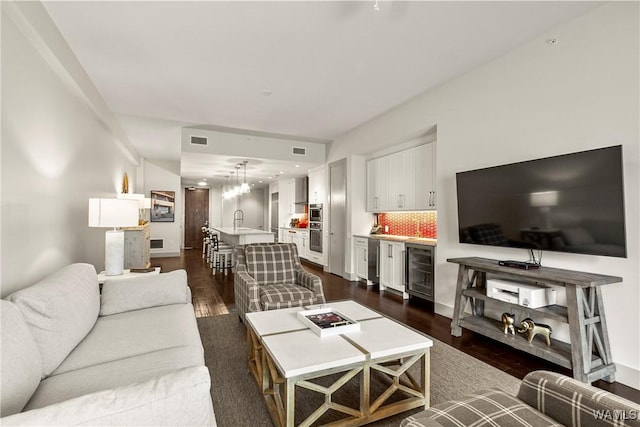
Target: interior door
x: 196, y: 212
x: 337, y: 215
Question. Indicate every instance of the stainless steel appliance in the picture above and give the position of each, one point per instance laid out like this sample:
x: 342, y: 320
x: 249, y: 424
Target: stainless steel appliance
x: 315, y: 228
x: 373, y: 260
x: 420, y: 271
x: 315, y: 236
x: 315, y: 213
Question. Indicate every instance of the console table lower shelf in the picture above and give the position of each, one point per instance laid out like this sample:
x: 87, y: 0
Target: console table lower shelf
x: 588, y: 354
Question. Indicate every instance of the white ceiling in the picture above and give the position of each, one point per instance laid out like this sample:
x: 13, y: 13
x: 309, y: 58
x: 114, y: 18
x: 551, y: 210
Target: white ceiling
x: 309, y: 69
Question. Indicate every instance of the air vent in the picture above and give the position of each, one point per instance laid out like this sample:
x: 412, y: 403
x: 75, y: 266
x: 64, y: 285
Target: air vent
x: 199, y: 140
x: 156, y: 244
x: 299, y: 151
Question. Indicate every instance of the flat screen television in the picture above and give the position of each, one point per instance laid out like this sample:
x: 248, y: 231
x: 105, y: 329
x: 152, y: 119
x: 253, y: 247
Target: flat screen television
x: 568, y: 203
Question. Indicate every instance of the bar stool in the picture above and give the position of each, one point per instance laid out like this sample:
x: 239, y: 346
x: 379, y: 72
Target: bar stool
x: 206, y: 240
x: 222, y: 255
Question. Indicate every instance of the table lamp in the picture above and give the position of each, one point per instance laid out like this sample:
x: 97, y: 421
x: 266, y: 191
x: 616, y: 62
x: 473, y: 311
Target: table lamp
x: 113, y: 213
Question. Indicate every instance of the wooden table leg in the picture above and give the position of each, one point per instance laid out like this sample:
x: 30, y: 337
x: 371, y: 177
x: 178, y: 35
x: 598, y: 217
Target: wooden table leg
x: 460, y: 301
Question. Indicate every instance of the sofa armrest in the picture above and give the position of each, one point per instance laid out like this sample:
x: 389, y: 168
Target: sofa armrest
x: 311, y: 282
x: 247, y: 295
x: 153, y: 290
x: 574, y: 403
x: 180, y: 398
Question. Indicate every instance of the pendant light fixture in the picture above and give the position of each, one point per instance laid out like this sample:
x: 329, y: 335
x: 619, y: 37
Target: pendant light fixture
x: 244, y: 188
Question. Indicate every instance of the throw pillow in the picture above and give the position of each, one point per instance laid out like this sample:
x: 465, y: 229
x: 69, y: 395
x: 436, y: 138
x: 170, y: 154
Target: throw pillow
x: 60, y: 310
x: 148, y: 290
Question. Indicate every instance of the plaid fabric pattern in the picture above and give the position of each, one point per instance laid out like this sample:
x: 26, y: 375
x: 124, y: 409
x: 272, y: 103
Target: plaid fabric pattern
x: 493, y: 408
x: 257, y: 263
x: 273, y: 263
x: 576, y: 404
x: 283, y: 295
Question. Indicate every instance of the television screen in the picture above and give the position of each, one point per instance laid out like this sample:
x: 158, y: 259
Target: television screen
x: 569, y: 203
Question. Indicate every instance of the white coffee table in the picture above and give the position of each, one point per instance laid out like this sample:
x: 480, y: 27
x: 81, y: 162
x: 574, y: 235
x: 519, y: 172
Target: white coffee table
x: 285, y: 355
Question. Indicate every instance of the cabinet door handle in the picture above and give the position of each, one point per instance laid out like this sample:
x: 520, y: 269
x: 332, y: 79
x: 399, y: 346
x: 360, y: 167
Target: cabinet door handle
x: 434, y: 198
x: 378, y: 261
x: 390, y: 249
x: 375, y: 202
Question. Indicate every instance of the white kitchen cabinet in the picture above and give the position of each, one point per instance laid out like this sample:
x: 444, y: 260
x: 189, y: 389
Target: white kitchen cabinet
x: 402, y: 180
x: 361, y: 246
x: 377, y: 184
x: 302, y: 241
x: 298, y: 236
x: 317, y: 185
x: 426, y: 177
x: 392, y: 267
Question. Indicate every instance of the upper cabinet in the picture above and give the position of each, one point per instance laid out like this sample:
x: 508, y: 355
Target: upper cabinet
x: 402, y: 181
x: 317, y: 185
x: 426, y: 177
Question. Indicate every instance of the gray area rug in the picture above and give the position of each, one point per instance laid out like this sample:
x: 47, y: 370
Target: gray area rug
x: 237, y: 401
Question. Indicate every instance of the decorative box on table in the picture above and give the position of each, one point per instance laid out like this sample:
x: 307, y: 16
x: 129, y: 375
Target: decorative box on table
x: 326, y: 321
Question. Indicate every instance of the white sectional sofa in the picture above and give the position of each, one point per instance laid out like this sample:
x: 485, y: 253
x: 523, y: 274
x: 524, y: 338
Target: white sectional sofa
x: 129, y: 356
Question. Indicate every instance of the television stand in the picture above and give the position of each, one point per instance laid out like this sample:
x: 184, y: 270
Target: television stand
x: 588, y: 354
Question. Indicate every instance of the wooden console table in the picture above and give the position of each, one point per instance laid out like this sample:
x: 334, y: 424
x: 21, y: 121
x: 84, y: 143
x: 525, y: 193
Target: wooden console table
x: 588, y: 354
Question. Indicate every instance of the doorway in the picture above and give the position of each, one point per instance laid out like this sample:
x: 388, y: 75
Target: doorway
x: 196, y: 212
x: 337, y: 216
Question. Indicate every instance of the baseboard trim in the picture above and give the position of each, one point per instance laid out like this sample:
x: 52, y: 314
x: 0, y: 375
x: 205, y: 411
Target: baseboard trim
x: 164, y: 254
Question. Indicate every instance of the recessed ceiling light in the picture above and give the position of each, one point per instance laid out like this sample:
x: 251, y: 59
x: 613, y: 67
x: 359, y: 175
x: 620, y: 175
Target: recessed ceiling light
x: 281, y: 172
x: 297, y: 166
x: 261, y: 180
x: 269, y: 177
x: 202, y: 183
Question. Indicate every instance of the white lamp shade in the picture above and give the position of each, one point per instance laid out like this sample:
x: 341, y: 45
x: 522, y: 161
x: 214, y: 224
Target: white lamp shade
x: 544, y: 199
x: 113, y: 212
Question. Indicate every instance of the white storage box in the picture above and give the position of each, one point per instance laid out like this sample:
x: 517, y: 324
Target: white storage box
x: 523, y: 294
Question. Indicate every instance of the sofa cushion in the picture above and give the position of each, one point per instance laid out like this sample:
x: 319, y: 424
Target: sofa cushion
x: 489, y: 408
x: 119, y: 373
x: 20, y: 360
x: 179, y: 398
x: 60, y: 310
x: 133, y: 333
x: 151, y: 290
x: 275, y: 263
x: 285, y: 295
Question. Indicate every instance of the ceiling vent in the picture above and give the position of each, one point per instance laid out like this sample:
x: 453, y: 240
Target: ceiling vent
x: 299, y: 151
x: 199, y: 140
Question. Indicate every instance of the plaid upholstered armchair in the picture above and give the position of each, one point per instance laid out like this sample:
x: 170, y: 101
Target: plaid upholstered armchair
x: 269, y: 276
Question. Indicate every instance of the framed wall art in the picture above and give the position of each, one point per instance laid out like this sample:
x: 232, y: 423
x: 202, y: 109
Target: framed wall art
x: 163, y: 206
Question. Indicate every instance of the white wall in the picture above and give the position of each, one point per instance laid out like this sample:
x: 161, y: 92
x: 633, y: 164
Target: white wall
x: 539, y: 100
x: 161, y: 175
x: 253, y: 207
x: 58, y: 150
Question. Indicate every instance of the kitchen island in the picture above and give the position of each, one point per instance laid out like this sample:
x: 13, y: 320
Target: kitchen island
x: 244, y: 235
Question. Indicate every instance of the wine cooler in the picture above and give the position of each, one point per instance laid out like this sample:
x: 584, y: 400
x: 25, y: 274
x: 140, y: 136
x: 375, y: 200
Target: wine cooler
x: 420, y: 271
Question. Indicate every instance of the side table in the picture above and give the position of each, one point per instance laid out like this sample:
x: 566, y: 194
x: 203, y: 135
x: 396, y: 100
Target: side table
x: 103, y: 278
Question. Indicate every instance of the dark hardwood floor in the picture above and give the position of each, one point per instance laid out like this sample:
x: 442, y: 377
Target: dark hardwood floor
x: 213, y: 295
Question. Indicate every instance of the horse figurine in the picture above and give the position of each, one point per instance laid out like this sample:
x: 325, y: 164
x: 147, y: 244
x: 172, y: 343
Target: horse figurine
x: 508, y: 319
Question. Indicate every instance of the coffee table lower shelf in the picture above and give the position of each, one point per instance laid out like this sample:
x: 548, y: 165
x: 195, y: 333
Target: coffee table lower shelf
x: 280, y: 393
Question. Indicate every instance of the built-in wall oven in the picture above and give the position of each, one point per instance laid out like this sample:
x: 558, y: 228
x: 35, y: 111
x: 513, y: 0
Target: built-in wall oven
x: 315, y: 228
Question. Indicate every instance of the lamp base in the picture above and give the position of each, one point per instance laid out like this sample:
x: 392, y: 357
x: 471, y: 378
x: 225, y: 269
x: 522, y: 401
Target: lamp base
x: 114, y: 252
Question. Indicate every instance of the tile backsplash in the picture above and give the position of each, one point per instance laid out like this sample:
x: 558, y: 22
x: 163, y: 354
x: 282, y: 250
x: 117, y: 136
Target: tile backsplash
x: 410, y: 223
